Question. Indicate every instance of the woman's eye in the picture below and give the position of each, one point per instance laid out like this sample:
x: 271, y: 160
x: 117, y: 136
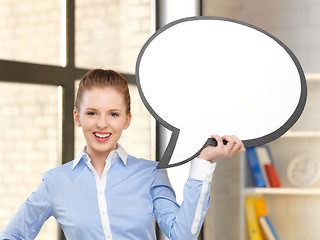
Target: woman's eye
x: 114, y: 114
x: 91, y: 113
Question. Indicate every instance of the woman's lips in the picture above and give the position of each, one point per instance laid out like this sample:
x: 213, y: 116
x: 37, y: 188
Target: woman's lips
x: 102, y: 136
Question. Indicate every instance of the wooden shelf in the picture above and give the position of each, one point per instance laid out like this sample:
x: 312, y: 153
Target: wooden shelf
x: 313, y: 78
x: 282, y: 191
x: 294, y: 134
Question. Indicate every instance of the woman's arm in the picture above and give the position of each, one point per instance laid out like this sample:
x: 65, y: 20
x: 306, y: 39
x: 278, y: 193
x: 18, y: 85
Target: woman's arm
x: 28, y: 220
x: 185, y: 222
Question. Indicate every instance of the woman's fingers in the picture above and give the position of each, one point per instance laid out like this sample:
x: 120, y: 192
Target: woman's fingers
x: 239, y: 144
x: 218, y: 139
x: 233, y: 146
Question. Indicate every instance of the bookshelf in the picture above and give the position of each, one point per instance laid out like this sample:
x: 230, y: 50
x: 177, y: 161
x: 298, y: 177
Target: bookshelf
x: 295, y: 212
x: 281, y: 191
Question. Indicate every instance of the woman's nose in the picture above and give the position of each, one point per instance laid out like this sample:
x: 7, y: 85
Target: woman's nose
x: 102, y: 122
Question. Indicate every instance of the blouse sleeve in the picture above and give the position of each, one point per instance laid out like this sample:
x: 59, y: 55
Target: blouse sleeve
x: 28, y: 220
x: 183, y: 222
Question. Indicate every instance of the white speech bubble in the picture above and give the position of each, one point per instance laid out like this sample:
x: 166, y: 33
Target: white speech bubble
x: 207, y: 75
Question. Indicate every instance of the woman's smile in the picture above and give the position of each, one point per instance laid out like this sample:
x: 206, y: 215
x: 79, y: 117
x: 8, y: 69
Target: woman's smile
x: 102, y: 136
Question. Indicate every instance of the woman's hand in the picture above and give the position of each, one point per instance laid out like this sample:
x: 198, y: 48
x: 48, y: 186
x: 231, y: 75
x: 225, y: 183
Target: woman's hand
x: 213, y: 153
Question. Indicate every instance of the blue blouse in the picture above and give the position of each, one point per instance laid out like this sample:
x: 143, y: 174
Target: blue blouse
x: 134, y: 192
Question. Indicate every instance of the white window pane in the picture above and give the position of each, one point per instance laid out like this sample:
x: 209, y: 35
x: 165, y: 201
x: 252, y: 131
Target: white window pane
x: 30, y: 31
x: 28, y: 146
x: 110, y: 33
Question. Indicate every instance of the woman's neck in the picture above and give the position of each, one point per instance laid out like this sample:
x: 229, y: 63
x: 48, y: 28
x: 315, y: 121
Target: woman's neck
x: 98, y: 160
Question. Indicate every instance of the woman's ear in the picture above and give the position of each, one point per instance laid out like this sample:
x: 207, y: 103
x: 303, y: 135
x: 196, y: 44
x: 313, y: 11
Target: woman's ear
x: 76, y: 117
x: 128, y: 121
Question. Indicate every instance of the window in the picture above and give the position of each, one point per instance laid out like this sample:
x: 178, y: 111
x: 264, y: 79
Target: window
x: 42, y: 54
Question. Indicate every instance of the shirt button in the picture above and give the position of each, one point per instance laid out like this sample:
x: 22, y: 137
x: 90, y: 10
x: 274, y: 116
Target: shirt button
x: 109, y: 237
x: 208, y: 177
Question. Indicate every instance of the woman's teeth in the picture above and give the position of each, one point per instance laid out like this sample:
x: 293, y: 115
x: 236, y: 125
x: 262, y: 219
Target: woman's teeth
x: 100, y: 135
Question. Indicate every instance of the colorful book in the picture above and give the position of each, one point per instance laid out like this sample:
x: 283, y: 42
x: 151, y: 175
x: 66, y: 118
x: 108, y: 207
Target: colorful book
x: 267, y: 228
x: 254, y: 230
x: 261, y: 212
x: 264, y: 157
x: 256, y: 170
x: 272, y: 175
x: 260, y: 206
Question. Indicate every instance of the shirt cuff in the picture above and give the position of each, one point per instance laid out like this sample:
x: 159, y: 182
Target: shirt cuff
x: 201, y: 169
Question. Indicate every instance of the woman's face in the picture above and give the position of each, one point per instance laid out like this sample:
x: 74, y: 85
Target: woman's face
x: 102, y: 117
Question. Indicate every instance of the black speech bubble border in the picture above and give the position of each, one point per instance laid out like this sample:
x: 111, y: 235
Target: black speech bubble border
x: 165, y: 159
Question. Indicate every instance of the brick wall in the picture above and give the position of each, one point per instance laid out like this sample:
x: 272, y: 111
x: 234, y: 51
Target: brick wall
x: 30, y: 31
x: 110, y: 34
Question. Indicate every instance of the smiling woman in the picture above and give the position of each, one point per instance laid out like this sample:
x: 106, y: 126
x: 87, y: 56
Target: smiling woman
x: 140, y: 130
x: 102, y: 109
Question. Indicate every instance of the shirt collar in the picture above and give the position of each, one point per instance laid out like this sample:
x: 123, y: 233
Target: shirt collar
x: 118, y: 152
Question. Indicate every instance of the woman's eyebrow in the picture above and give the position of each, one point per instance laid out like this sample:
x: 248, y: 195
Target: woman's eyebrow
x: 91, y: 109
x: 110, y: 110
